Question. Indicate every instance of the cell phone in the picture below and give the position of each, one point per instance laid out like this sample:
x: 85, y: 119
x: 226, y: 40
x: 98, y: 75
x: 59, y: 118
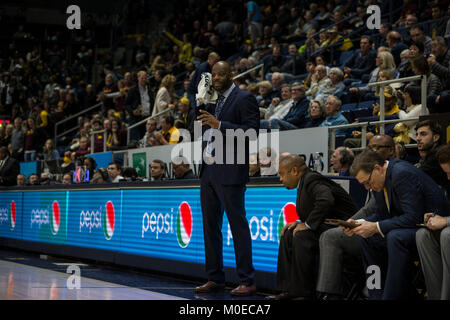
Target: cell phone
x: 198, y: 108
x: 422, y: 225
x: 339, y: 222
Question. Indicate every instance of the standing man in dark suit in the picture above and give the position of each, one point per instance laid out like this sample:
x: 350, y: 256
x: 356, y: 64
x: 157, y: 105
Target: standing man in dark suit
x: 223, y: 184
x: 318, y: 198
x: 9, y: 168
x: 403, y: 195
x: 139, y: 105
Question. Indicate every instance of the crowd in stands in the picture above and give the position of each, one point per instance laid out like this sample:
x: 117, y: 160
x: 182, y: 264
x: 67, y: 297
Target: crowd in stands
x: 318, y: 59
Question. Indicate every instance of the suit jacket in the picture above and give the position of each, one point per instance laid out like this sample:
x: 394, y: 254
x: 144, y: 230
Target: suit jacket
x: 240, y: 111
x: 298, y: 113
x: 9, y: 172
x: 319, y: 198
x: 411, y: 194
x: 134, y: 99
x: 431, y: 167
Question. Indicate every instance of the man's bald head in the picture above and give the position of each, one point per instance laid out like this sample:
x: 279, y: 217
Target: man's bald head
x: 383, y: 144
x: 222, y: 78
x: 292, y: 160
x: 290, y: 169
x: 222, y: 65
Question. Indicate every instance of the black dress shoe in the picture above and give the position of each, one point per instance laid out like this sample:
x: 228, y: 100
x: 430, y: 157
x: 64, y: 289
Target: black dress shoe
x: 281, y: 296
x: 209, y: 287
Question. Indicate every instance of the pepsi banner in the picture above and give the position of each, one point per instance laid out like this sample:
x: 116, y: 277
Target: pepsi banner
x: 162, y: 223
x: 94, y: 219
x: 45, y: 216
x: 11, y: 215
x: 268, y: 210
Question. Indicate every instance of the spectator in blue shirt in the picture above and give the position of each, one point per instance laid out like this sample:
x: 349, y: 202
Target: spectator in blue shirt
x: 253, y: 20
x: 334, y: 116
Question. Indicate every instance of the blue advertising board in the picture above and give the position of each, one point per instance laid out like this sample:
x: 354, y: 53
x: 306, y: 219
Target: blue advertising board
x: 162, y: 223
x: 95, y: 219
x: 11, y: 215
x: 44, y: 216
x: 268, y: 209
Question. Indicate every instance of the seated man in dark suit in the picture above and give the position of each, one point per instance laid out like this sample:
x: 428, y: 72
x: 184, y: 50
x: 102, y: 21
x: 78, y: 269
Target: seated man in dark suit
x: 338, y: 252
x: 297, y: 115
x: 9, y: 168
x: 433, y: 243
x: 275, y: 61
x: 394, y: 41
x: 429, y: 141
x: 341, y: 160
x: 181, y: 169
x: 362, y: 62
x: 318, y: 198
x: 403, y: 195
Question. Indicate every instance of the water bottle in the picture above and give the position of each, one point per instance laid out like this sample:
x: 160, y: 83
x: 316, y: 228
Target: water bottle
x: 318, y: 163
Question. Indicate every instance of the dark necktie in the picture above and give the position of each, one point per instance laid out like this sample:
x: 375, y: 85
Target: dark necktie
x: 219, y: 105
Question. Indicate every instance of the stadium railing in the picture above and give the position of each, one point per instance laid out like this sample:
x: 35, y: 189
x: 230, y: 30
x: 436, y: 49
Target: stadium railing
x: 259, y: 66
x: 58, y: 124
x: 382, y: 121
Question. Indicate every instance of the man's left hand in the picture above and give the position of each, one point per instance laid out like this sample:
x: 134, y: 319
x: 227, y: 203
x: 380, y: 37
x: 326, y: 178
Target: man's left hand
x: 300, y: 227
x: 436, y: 223
x: 208, y: 119
x: 366, y: 229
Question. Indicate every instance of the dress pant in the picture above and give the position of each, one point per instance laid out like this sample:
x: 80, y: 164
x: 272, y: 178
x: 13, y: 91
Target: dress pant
x: 434, y: 252
x: 337, y: 250
x: 394, y: 255
x: 297, y: 263
x: 215, y: 197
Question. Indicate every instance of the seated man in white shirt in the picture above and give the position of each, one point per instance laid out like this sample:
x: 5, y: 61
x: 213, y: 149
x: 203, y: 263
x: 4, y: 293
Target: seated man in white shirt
x: 279, y: 108
x: 114, y: 170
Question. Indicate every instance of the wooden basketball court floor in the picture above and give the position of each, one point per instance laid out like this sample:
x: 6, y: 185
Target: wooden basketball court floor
x: 32, y: 276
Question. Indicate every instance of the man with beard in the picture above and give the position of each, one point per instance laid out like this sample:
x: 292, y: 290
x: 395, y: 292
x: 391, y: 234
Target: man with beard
x: 223, y: 184
x: 428, y: 137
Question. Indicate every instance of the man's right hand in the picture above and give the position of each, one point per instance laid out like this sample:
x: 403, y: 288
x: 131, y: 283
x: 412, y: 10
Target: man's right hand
x: 288, y: 226
x: 349, y: 232
x: 275, y: 101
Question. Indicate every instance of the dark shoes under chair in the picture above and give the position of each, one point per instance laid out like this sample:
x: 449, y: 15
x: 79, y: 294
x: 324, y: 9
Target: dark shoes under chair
x: 286, y: 296
x: 241, y: 290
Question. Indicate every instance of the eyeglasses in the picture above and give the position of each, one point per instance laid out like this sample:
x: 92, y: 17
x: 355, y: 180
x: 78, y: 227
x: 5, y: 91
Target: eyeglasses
x: 367, y: 182
x: 376, y: 147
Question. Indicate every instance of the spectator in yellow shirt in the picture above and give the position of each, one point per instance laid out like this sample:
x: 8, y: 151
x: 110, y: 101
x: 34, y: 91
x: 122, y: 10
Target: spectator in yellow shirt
x: 185, y: 55
x: 169, y: 133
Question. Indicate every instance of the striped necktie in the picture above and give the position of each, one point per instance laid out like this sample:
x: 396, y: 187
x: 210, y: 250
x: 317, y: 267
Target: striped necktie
x: 219, y: 106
